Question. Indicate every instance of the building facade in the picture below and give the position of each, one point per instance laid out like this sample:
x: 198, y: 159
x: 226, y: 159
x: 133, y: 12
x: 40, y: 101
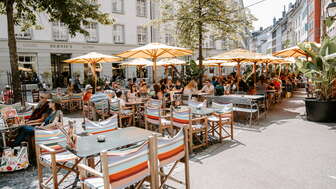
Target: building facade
x: 44, y: 50
x: 299, y: 23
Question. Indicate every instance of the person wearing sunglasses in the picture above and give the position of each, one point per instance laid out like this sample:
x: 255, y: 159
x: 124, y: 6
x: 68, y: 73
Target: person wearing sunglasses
x: 208, y: 88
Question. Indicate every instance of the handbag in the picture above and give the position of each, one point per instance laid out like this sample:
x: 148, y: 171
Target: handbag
x: 14, y: 159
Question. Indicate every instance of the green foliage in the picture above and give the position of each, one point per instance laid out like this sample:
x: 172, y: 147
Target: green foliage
x: 192, y: 71
x: 320, y: 67
x: 74, y: 13
x: 195, y: 18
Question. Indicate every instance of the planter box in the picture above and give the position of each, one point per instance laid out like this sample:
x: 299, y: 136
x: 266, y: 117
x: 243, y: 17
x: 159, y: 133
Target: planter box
x: 320, y: 111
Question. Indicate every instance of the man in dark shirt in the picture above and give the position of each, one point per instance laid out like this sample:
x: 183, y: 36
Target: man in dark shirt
x: 41, y: 112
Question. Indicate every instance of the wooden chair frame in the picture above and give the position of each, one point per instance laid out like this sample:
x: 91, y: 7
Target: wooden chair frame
x: 193, y: 132
x: 161, y: 126
x: 218, y: 126
x: 54, y: 165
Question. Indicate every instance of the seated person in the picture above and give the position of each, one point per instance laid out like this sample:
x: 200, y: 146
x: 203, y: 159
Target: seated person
x: 7, y: 95
x: 53, y: 121
x: 99, y: 95
x: 208, y: 88
x: 143, y: 90
x: 133, y: 93
x: 159, y: 95
x: 191, y: 88
x: 41, y: 111
x: 124, y: 111
x: 178, y: 87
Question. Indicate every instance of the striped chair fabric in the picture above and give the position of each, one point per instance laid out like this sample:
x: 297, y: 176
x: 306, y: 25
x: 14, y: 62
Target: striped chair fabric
x: 195, y: 104
x: 76, y: 96
x: 171, y: 150
x: 223, y: 108
x: 181, y: 118
x: 102, y: 107
x: 115, y: 105
x: 26, y: 115
x: 152, y: 115
x: 107, y: 125
x: 126, y: 167
x: 155, y: 103
x: 51, y: 138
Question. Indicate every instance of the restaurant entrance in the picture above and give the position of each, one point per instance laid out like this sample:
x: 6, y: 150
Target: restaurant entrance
x: 61, y: 71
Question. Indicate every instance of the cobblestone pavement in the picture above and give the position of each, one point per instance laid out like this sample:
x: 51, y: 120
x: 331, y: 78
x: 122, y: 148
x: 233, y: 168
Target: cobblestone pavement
x: 284, y: 151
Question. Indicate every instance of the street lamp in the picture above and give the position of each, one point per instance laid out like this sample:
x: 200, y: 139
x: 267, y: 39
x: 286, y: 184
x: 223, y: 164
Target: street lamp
x: 331, y: 9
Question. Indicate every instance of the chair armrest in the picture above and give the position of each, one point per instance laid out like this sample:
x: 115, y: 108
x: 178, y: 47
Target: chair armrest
x: 90, y: 170
x: 46, y: 148
x: 198, y: 118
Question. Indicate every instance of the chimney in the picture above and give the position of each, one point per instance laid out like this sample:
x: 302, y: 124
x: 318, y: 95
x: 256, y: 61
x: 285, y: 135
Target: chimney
x: 284, y: 12
x: 274, y: 21
x: 261, y: 28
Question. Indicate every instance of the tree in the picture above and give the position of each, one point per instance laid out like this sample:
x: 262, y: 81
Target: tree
x: 194, y: 19
x: 73, y: 13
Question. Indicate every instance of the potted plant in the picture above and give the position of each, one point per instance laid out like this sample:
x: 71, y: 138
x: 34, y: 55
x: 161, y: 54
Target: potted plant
x: 320, y: 68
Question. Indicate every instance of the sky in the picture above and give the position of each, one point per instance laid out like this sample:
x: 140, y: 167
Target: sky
x: 266, y: 11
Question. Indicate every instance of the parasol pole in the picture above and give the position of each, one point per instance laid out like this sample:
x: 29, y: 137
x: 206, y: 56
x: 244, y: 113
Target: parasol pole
x: 238, y: 75
x: 154, y: 69
x: 254, y: 73
x: 166, y: 71
x: 266, y: 69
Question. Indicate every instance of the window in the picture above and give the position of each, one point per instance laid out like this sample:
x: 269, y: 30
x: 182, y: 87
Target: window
x: 142, y: 35
x: 118, y: 34
x: 59, y: 31
x: 27, y: 61
x: 118, y: 6
x: 93, y: 32
x: 141, y: 8
x: 169, y: 39
x: 19, y: 34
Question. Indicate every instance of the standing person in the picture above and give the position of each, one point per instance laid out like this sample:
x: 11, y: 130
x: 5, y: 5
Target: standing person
x: 7, y: 95
x: 77, y: 85
x: 208, y: 88
x: 53, y: 120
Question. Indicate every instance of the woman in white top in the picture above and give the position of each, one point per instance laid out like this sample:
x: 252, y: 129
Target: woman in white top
x: 133, y: 93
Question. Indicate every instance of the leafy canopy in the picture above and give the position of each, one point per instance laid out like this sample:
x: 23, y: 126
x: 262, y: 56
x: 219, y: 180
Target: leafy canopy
x: 74, y: 13
x: 218, y: 18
